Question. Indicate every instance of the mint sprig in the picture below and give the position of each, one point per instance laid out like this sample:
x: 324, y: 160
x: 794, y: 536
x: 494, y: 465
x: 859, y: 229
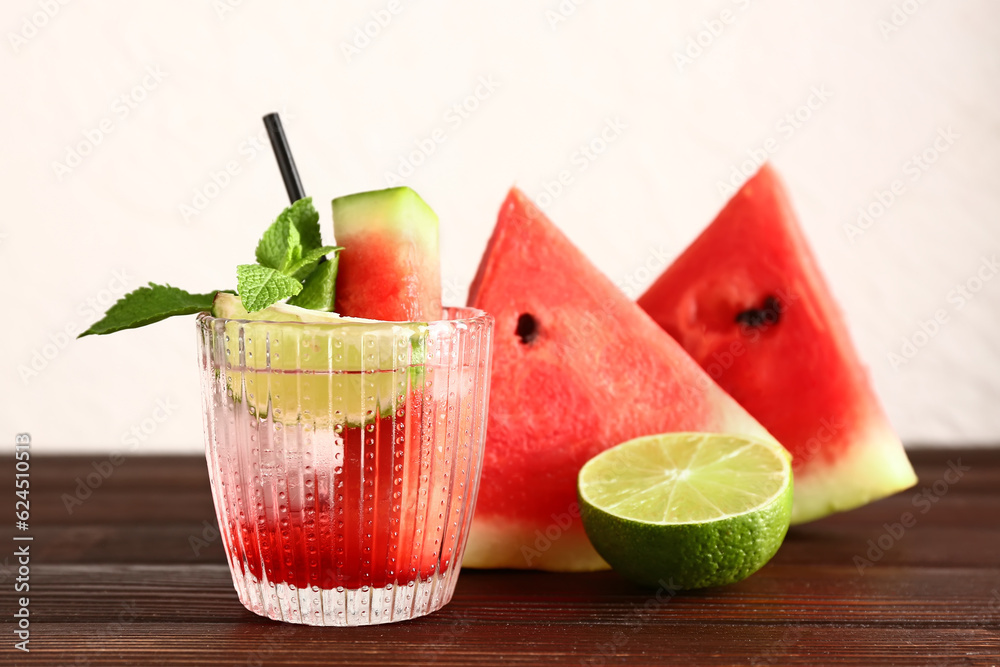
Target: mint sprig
x: 290, y: 265
x: 288, y: 253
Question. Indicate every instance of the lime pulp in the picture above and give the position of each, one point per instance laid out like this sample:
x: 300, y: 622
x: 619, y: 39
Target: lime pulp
x: 687, y: 510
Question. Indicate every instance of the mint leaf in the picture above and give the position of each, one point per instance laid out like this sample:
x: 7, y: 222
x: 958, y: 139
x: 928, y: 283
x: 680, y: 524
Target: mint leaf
x: 319, y: 288
x: 260, y: 286
x: 147, y: 305
x: 289, y: 252
x: 293, y: 233
x: 305, y: 219
x: 280, y: 246
x: 304, y: 267
x: 293, y: 252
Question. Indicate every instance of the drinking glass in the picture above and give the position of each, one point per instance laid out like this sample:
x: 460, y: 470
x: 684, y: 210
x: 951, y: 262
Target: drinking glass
x: 345, y: 459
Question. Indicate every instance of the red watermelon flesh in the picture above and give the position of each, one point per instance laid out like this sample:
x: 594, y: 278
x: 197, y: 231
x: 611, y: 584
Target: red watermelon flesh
x: 747, y: 301
x: 390, y: 268
x: 577, y: 368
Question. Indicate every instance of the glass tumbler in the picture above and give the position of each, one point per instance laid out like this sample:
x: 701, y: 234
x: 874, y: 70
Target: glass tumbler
x: 345, y: 459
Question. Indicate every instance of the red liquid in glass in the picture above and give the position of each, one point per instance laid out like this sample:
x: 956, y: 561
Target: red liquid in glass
x: 375, y: 522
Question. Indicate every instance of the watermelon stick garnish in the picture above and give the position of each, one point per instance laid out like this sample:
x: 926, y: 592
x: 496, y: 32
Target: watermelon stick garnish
x: 394, y: 270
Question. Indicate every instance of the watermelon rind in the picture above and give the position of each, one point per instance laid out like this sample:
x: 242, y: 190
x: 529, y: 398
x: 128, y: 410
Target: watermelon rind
x: 870, y: 470
x: 400, y: 211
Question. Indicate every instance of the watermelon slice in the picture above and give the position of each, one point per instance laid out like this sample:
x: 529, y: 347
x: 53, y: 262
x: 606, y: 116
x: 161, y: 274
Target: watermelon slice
x: 747, y: 301
x: 390, y: 268
x: 577, y: 369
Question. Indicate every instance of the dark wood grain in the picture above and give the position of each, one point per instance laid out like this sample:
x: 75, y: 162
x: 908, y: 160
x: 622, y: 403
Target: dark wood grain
x: 136, y: 575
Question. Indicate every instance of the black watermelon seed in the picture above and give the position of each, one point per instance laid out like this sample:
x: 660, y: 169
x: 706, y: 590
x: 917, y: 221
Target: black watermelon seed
x: 527, y: 328
x: 767, y: 315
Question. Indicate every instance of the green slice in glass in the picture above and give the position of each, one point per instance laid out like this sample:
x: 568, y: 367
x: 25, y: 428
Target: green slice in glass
x: 293, y: 372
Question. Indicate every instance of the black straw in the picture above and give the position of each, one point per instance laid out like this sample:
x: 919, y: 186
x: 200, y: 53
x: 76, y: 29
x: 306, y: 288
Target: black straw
x: 284, y: 156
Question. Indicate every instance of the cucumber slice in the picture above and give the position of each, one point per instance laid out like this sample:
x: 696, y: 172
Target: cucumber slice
x: 295, y: 373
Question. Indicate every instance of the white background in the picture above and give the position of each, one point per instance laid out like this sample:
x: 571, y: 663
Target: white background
x: 890, y: 89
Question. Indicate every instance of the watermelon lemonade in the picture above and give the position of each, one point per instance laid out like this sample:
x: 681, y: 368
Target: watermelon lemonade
x: 345, y: 460
x: 345, y: 408
x: 302, y: 536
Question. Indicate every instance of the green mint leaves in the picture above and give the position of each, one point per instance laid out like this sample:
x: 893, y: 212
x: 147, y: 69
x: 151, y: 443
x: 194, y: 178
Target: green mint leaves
x: 290, y: 237
x: 260, y: 286
x: 300, y: 222
x: 306, y: 264
x: 147, y: 305
x: 290, y: 252
x: 292, y: 263
x: 317, y: 294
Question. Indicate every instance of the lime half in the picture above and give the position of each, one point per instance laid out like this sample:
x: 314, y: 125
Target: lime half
x: 687, y: 510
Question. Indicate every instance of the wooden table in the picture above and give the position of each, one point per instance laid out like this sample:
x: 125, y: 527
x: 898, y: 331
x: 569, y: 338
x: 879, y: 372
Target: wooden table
x: 135, y: 575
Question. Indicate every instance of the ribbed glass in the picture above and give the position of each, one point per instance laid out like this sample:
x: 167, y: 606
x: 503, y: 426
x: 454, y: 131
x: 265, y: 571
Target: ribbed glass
x: 345, y: 460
